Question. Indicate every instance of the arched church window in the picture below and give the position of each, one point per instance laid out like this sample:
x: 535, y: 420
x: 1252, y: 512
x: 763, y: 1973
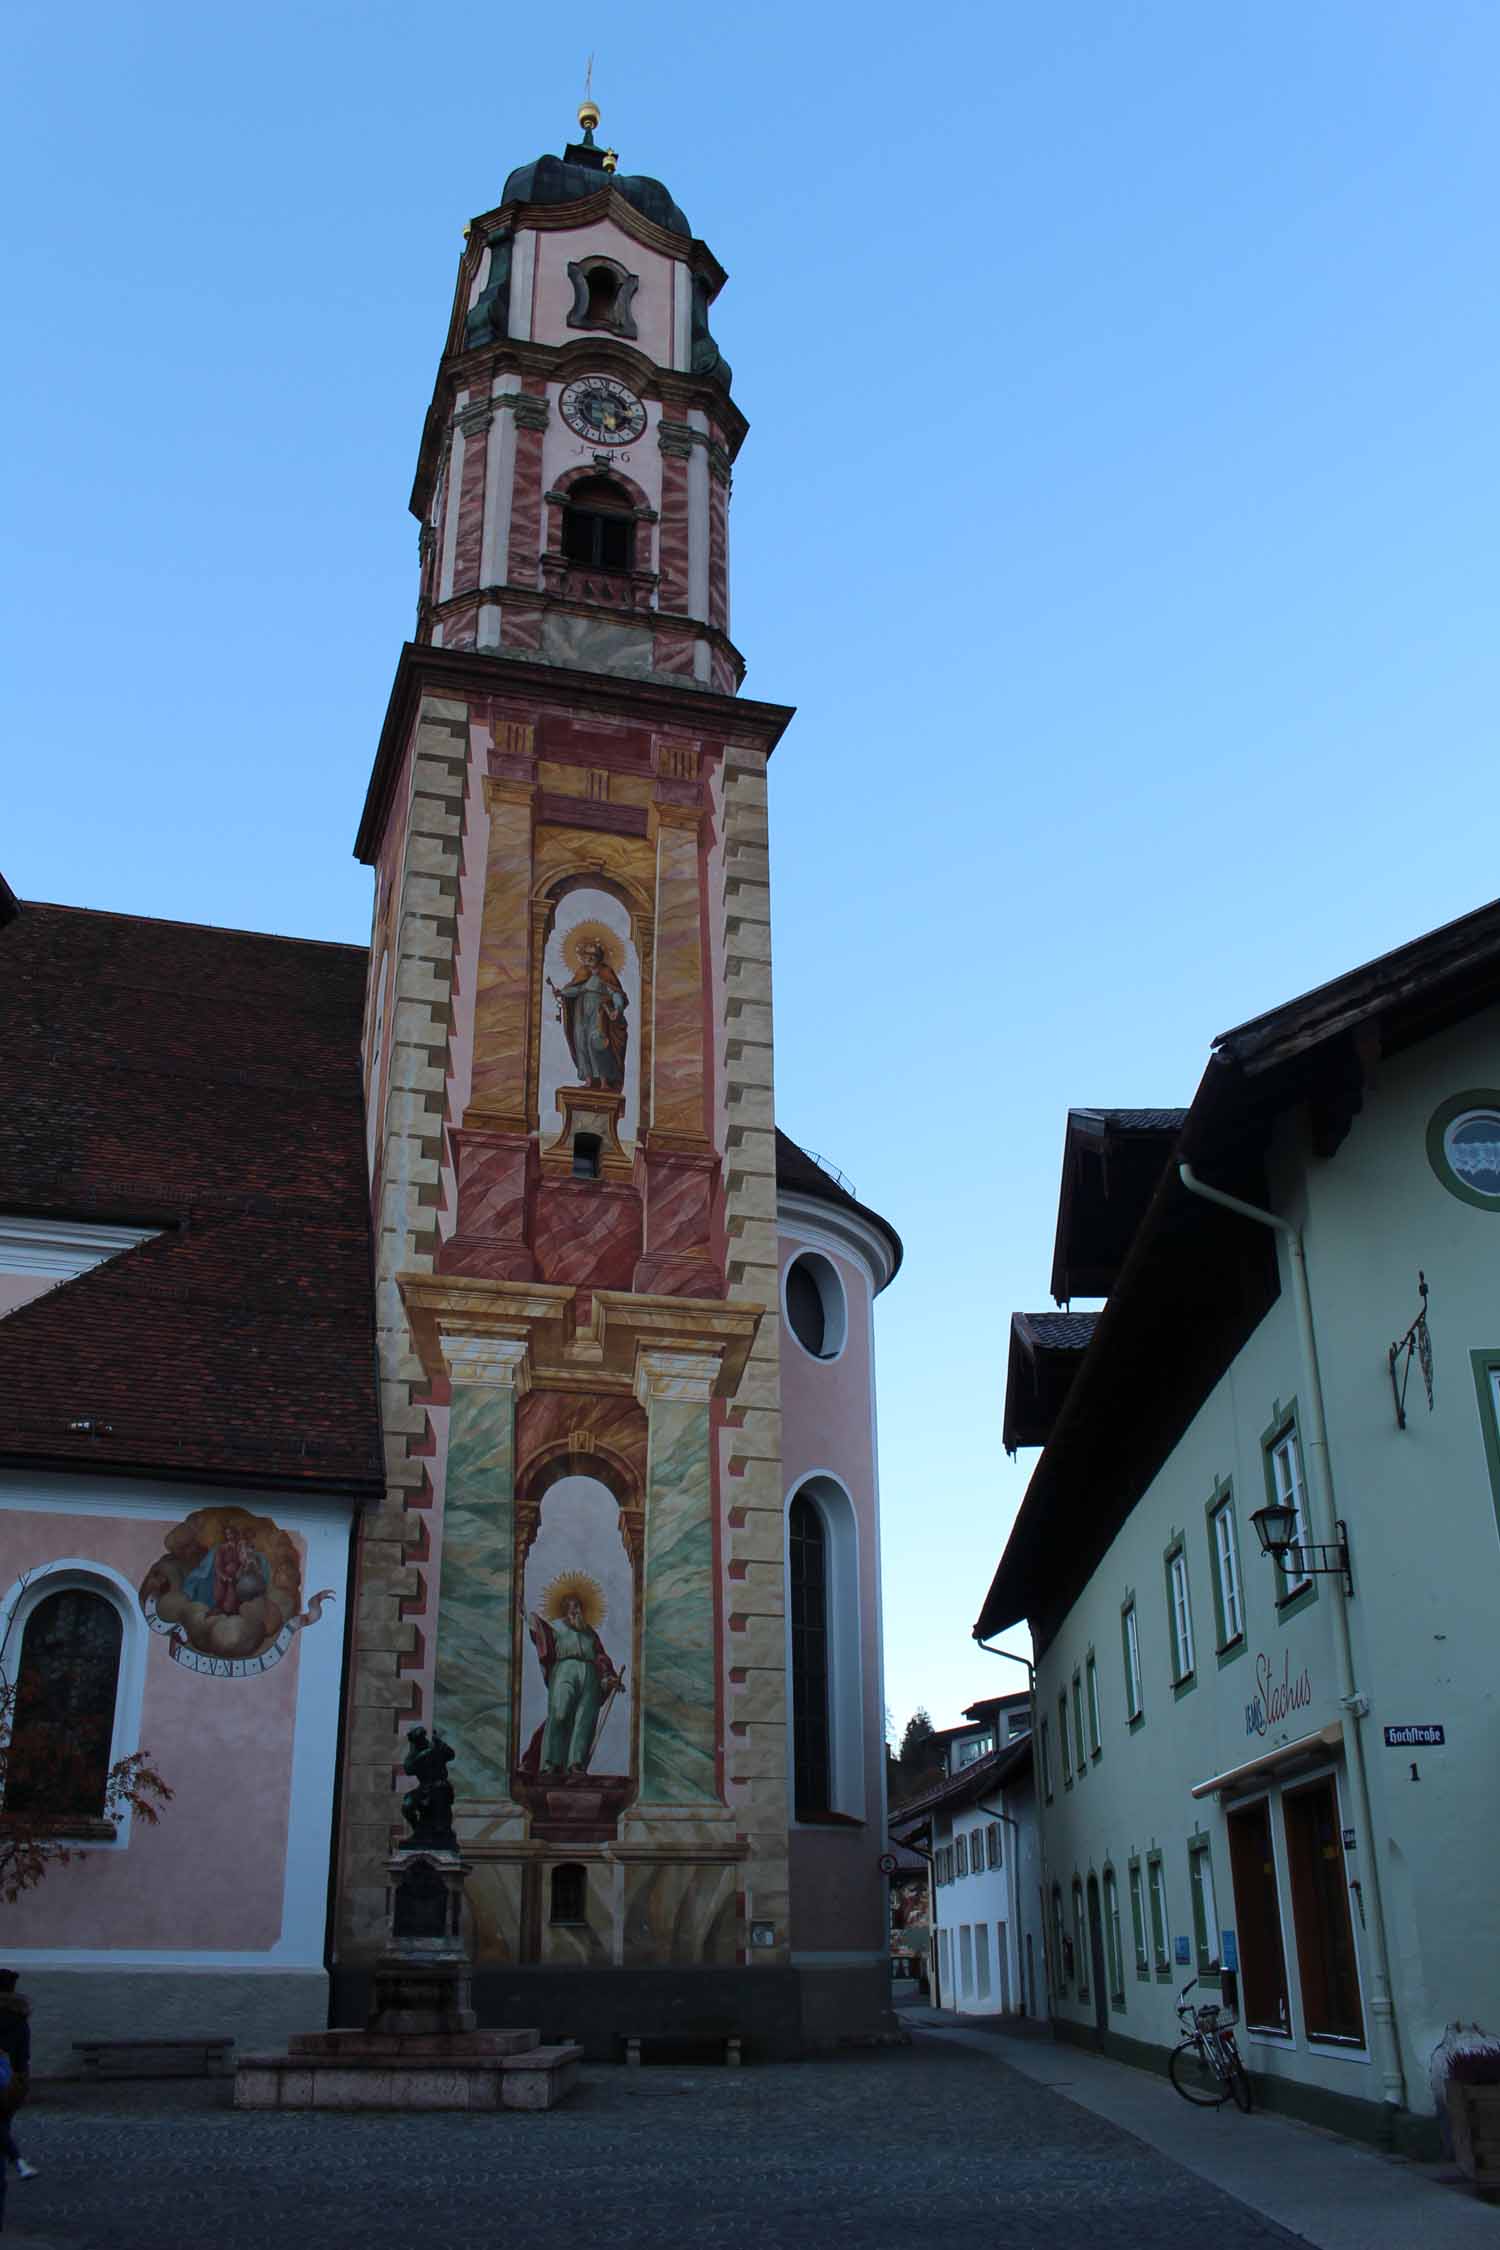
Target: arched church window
x: 58, y: 1761
x: 598, y: 526
x: 569, y: 1888
x: 602, y: 293
x: 811, y: 1765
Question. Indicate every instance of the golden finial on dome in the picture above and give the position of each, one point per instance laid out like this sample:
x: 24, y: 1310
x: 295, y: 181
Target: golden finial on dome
x: 611, y: 159
x: 588, y: 108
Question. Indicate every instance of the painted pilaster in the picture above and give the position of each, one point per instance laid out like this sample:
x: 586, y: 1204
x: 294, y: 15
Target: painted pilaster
x: 698, y: 515
x: 677, y: 1057
x: 678, y: 1685
x: 474, y: 424
x: 522, y: 281
x: 383, y: 1693
x: 499, y: 475
x: 452, y: 499
x: 476, y: 1605
x: 750, y: 1457
x: 502, y: 1002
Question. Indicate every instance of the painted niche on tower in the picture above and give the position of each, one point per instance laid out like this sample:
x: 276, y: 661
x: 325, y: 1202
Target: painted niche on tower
x: 576, y: 1729
x: 591, y: 1008
x: 227, y: 1593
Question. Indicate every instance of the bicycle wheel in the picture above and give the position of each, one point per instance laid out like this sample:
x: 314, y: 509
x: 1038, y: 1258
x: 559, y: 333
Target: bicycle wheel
x: 1194, y: 2076
x: 1239, y: 2083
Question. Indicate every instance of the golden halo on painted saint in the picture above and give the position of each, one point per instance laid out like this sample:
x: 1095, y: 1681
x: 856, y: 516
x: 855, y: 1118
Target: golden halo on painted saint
x: 584, y: 934
x: 571, y: 1584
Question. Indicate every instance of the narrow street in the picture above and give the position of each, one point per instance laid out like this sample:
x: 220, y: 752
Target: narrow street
x: 945, y: 2142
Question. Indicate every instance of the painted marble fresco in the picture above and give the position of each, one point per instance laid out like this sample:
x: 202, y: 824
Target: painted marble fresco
x: 227, y: 1593
x: 591, y: 1011
x: 473, y: 1680
x: 578, y: 1609
x: 677, y: 1650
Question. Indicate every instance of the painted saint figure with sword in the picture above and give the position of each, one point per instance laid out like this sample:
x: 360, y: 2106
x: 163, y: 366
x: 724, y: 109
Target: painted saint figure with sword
x: 581, y: 1683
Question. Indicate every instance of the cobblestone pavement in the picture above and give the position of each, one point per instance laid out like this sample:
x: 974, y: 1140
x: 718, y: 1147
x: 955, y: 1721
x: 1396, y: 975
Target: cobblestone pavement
x: 930, y: 2144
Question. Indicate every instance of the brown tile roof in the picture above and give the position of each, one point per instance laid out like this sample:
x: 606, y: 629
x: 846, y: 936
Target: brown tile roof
x: 207, y: 1081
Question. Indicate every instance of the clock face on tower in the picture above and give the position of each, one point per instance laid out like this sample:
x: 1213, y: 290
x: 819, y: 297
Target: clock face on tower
x: 603, y: 411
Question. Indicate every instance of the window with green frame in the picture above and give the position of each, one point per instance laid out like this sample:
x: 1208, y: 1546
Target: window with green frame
x: 1286, y: 1484
x: 1161, y: 1935
x: 1130, y: 1642
x: 1205, y: 1905
x: 1138, y: 1920
x: 1081, y: 1756
x: 1091, y: 1685
x: 1224, y: 1574
x: 1062, y: 1736
x: 1180, y: 1618
x: 1080, y: 1940
x: 1114, y: 1949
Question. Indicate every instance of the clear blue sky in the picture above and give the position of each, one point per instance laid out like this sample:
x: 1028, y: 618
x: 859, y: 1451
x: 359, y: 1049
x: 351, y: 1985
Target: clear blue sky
x: 1119, y: 508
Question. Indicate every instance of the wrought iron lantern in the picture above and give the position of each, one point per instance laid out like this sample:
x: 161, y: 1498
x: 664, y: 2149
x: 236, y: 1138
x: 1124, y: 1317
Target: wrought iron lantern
x: 1276, y: 1529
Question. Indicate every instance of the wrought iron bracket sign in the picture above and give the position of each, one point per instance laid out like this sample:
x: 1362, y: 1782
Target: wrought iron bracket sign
x: 1415, y: 1344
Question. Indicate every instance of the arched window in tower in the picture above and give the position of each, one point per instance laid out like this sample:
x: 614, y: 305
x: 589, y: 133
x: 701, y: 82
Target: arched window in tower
x: 598, y: 526
x: 602, y: 293
x: 807, y: 1541
x: 58, y: 1761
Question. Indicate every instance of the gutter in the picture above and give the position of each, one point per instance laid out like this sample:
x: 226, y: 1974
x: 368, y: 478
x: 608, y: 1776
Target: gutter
x: 1320, y: 1478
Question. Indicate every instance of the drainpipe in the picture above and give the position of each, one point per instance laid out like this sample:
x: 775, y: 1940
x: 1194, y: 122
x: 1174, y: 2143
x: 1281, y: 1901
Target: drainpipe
x: 1320, y: 1478
x: 1041, y: 1831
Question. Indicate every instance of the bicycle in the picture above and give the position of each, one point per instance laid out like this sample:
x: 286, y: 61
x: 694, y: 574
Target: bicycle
x: 1205, y: 2065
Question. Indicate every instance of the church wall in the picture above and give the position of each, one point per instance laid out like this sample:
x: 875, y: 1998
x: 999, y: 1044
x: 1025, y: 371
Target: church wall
x: 838, y: 1897
x: 224, y: 1899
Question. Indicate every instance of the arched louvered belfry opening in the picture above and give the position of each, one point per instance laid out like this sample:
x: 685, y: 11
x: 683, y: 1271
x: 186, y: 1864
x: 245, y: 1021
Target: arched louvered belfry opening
x: 598, y: 525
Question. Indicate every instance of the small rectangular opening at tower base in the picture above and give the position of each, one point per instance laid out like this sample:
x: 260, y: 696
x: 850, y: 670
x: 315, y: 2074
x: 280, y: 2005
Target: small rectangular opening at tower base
x: 586, y: 1156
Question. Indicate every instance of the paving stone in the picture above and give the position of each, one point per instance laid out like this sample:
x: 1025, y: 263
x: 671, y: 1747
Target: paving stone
x: 873, y: 2151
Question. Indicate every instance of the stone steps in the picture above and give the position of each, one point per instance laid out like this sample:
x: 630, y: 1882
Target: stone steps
x: 531, y: 2076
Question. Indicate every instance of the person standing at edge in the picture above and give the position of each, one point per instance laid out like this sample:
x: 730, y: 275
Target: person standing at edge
x: 15, y: 2045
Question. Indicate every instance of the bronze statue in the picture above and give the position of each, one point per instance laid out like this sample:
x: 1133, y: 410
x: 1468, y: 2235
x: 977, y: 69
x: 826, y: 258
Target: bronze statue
x: 428, y: 1809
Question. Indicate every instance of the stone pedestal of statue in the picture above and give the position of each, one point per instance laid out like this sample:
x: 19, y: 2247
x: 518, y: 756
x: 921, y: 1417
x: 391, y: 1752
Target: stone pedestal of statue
x: 420, y: 2048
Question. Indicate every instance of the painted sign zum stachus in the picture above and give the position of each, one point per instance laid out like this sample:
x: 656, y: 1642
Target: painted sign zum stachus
x: 1274, y: 1700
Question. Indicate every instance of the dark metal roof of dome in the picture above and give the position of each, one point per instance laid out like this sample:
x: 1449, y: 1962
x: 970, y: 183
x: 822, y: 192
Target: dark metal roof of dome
x: 553, y: 179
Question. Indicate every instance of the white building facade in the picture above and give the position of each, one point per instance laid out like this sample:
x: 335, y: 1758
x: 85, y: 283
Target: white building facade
x: 1255, y: 1773
x: 979, y: 1828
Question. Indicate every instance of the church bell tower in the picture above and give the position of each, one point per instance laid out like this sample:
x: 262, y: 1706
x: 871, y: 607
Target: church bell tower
x: 577, y: 1571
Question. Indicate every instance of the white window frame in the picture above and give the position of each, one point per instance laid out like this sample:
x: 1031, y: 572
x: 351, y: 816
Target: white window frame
x: 1226, y: 1561
x: 1156, y: 1895
x: 1133, y: 1661
x: 1182, y: 1616
x: 1116, y: 1964
x: 845, y: 1620
x: 1208, y: 1905
x: 1091, y: 1684
x: 1287, y: 1475
x: 1139, y: 1921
